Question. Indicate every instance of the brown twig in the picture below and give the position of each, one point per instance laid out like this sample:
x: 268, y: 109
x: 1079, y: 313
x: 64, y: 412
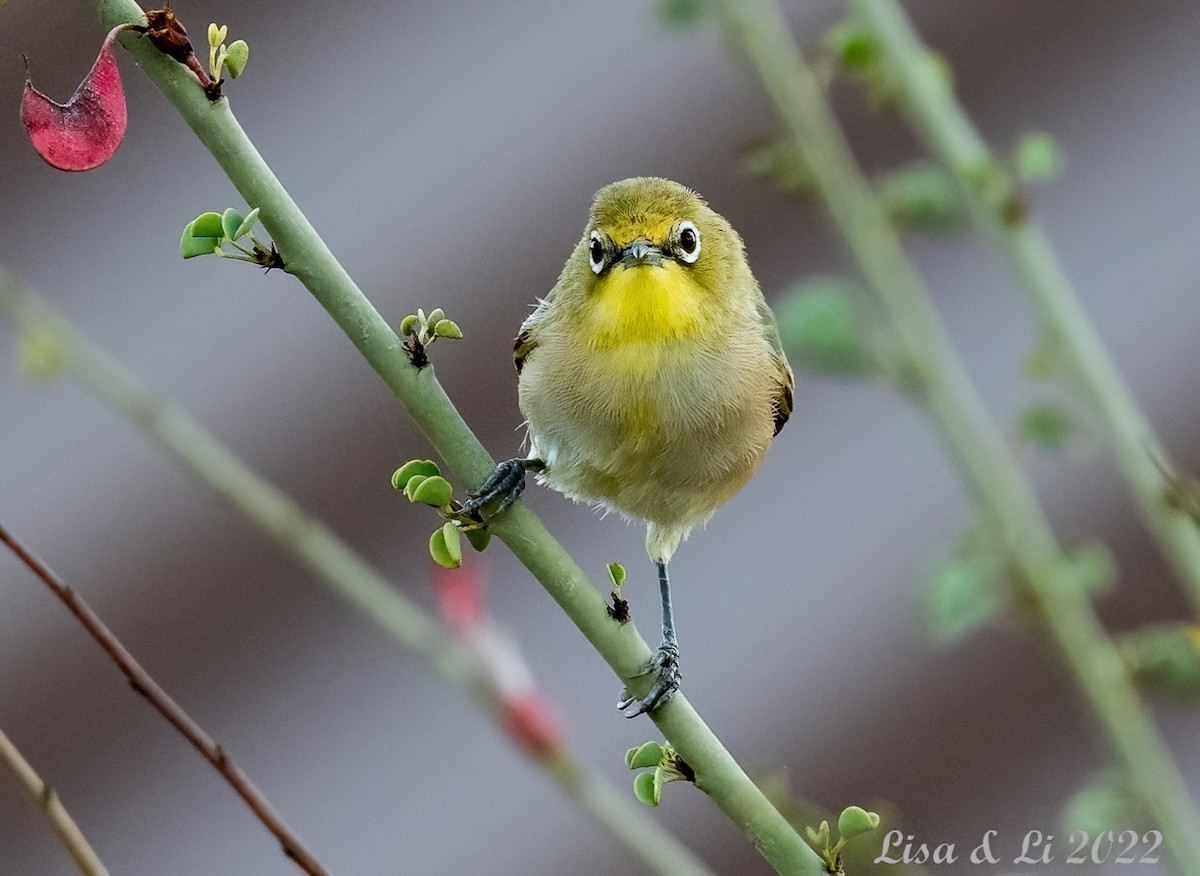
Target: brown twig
x: 51, y: 807
x: 169, y: 709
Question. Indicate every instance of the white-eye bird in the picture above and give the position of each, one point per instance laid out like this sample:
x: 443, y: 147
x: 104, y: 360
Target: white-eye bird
x: 652, y: 379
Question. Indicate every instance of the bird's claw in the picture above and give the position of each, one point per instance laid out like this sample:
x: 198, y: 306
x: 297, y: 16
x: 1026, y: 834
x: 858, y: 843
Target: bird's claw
x: 505, y: 484
x: 665, y: 664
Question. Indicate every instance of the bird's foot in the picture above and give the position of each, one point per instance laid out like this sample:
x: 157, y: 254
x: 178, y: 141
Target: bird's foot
x: 505, y: 485
x: 665, y: 664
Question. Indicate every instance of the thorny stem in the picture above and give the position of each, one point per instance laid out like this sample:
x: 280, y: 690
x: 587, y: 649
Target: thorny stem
x: 309, y: 259
x: 987, y: 465
x: 929, y: 101
x: 331, y: 559
x: 141, y: 682
x: 52, y: 809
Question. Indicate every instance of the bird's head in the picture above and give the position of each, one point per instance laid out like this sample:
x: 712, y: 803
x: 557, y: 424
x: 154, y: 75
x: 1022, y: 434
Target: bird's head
x: 656, y: 260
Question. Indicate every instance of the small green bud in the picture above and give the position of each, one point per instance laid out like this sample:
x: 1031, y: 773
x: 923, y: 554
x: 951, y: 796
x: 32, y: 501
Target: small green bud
x: 1165, y: 658
x: 1037, y: 158
x: 424, y: 467
x: 923, y: 197
x: 216, y: 35
x: 445, y: 547
x: 647, y: 789
x: 446, y: 328
x: 648, y: 754
x: 434, y: 491
x: 819, y: 837
x: 854, y: 821
x: 41, y: 355
x: 479, y: 537
x: 1046, y: 425
x: 822, y: 326
x: 408, y: 325
x: 616, y: 574
x: 236, y: 56
x: 435, y: 316
x: 247, y: 225
x: 231, y: 221
x: 853, y: 45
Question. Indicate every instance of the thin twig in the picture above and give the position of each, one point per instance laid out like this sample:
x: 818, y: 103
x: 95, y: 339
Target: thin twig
x: 47, y: 802
x: 996, y: 481
x: 141, y: 681
x: 928, y: 99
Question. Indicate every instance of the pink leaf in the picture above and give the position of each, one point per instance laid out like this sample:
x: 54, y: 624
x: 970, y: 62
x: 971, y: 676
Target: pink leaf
x: 85, y: 131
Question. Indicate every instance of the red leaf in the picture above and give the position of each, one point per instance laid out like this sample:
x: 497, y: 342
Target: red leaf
x: 85, y: 131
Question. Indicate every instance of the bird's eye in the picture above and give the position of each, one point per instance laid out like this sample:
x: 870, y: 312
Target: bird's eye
x: 596, y: 252
x: 689, y: 242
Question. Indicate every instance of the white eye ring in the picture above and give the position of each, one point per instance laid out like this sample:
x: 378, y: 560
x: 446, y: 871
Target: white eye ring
x: 688, y: 235
x: 597, y: 255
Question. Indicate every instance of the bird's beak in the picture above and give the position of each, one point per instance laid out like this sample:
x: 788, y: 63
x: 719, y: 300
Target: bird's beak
x: 641, y: 252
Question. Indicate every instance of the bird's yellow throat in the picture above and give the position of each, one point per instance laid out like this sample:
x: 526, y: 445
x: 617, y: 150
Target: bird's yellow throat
x: 647, y: 303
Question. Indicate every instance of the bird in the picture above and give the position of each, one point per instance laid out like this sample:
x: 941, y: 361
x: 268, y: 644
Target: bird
x: 651, y: 378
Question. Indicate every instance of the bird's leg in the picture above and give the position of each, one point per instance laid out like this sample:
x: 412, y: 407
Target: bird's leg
x: 506, y: 484
x: 665, y: 662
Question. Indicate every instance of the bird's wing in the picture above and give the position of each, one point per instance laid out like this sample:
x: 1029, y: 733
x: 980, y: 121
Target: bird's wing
x: 783, y: 401
x: 526, y: 341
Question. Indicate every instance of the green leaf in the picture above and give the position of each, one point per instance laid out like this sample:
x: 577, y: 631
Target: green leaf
x: 680, y: 13
x: 819, y: 837
x: 648, y: 754
x: 1165, y: 658
x: 822, y: 326
x: 434, y: 491
x: 445, y: 328
x: 435, y: 316
x: 191, y: 245
x: 247, y: 225
x: 479, y: 537
x: 923, y: 197
x: 231, y: 221
x: 414, y: 482
x: 646, y: 789
x: 445, y: 548
x: 1037, y: 158
x: 616, y: 574
x: 1047, y: 425
x: 236, y: 56
x: 207, y: 225
x: 408, y: 325
x: 216, y: 35
x: 963, y: 593
x: 854, y: 821
x: 424, y: 467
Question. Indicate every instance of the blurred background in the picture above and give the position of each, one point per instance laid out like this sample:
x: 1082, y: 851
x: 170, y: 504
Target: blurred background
x: 448, y: 153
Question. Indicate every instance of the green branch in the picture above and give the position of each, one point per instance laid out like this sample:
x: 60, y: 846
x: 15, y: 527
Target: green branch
x: 315, y: 546
x: 988, y: 467
x: 928, y: 99
x: 309, y: 259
